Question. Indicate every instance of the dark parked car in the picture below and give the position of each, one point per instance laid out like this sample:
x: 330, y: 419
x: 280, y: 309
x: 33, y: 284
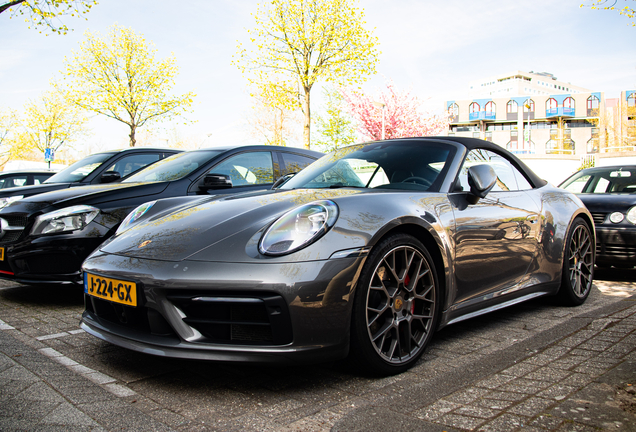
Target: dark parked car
x: 104, y: 167
x: 46, y: 237
x: 26, y: 177
x: 365, y: 252
x: 609, y: 193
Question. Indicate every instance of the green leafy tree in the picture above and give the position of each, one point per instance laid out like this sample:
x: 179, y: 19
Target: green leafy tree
x: 335, y: 127
x: 48, y: 123
x: 627, y: 8
x: 119, y: 77
x: 272, y: 125
x: 297, y: 43
x: 47, y: 13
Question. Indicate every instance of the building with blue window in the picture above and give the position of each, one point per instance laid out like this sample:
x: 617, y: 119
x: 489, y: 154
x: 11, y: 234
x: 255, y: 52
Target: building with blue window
x: 546, y: 121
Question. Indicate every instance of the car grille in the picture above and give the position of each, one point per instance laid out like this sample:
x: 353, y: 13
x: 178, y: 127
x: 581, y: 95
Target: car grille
x: 599, y: 218
x: 234, y: 318
x: 616, y: 250
x: 222, y: 318
x: 15, y: 221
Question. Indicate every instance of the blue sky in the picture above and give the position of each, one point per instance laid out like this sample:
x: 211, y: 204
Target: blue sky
x: 433, y: 48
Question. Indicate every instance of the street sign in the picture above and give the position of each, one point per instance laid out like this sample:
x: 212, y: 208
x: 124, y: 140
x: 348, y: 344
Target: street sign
x: 49, y: 155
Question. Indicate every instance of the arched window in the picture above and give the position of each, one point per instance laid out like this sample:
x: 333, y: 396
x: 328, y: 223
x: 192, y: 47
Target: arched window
x: 528, y: 106
x: 551, y: 146
x: 473, y: 108
x: 568, y: 102
x: 453, y: 111
x: 592, y: 145
x: 592, y: 102
x: 551, y: 105
x: 631, y: 100
x: 512, y: 107
x: 491, y: 110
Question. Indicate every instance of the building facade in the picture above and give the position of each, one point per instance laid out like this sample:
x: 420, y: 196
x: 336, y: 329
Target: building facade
x: 556, y: 124
x: 545, y: 121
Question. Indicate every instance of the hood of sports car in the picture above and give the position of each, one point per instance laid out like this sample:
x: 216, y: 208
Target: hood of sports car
x: 220, y: 229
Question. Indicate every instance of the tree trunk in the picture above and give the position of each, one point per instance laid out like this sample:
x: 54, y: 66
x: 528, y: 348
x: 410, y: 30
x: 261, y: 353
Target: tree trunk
x: 307, y: 119
x: 133, y: 128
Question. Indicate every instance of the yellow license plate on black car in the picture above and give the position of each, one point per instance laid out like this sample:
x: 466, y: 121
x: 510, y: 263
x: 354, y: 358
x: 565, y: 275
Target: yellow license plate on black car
x: 1, y: 254
x: 115, y: 290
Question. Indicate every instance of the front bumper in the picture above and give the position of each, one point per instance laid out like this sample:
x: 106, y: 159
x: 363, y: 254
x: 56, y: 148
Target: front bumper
x: 615, y: 246
x: 47, y: 259
x: 282, y: 313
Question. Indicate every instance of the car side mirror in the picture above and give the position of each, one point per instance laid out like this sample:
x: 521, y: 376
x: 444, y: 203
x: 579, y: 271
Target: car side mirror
x: 282, y: 180
x: 216, y: 181
x: 109, y: 177
x: 481, y: 179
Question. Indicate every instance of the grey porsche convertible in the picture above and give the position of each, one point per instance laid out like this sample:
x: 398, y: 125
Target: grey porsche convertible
x: 365, y: 253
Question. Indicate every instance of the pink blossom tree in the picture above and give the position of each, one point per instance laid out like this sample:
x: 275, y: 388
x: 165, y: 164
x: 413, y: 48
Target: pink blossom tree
x: 402, y: 115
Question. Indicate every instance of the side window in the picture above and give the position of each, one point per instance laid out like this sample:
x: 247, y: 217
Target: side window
x: 294, y: 162
x: 14, y: 182
x: 247, y: 168
x: 133, y: 163
x: 508, y: 177
x: 38, y: 179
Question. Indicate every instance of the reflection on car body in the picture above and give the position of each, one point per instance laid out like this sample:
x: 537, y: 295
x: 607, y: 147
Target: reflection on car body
x: 364, y: 253
x: 46, y: 237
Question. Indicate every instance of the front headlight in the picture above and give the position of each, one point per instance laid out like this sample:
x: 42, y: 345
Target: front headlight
x: 67, y: 219
x: 134, y: 216
x: 299, y: 228
x: 631, y: 215
x: 8, y: 200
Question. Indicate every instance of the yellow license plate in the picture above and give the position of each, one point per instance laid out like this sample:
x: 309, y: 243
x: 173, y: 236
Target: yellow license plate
x: 115, y: 290
x: 1, y: 254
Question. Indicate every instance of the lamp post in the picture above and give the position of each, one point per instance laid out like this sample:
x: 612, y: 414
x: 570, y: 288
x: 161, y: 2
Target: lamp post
x: 383, y: 106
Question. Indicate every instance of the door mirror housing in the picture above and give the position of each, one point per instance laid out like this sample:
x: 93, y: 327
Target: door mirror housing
x: 481, y: 179
x: 216, y: 181
x: 109, y: 177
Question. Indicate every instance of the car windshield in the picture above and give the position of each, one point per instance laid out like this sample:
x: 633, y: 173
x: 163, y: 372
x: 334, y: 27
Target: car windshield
x: 388, y: 165
x: 80, y: 170
x: 602, y: 181
x: 174, y: 167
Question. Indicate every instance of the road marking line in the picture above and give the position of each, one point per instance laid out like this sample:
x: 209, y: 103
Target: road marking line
x: 5, y: 326
x: 106, y: 382
x: 52, y: 336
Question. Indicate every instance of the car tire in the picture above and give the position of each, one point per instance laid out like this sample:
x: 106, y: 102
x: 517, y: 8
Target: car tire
x: 396, y: 306
x: 578, y: 265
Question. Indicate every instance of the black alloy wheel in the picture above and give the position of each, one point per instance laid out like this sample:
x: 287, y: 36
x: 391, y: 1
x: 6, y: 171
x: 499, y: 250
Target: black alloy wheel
x: 578, y: 265
x: 396, y: 306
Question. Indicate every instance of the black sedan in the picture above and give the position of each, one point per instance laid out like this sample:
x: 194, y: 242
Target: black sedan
x: 45, y: 237
x: 365, y: 252
x: 609, y: 193
x: 98, y: 168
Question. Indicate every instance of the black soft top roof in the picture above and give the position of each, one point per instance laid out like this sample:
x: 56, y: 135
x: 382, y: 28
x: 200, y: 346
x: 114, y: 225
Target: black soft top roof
x: 473, y: 143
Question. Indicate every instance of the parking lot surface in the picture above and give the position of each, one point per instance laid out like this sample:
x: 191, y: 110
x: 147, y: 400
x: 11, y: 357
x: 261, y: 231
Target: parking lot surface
x: 534, y: 366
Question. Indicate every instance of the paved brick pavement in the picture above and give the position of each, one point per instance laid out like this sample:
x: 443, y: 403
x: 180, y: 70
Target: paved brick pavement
x: 532, y: 367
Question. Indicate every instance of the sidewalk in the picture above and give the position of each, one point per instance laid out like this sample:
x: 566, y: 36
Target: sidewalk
x: 577, y: 376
